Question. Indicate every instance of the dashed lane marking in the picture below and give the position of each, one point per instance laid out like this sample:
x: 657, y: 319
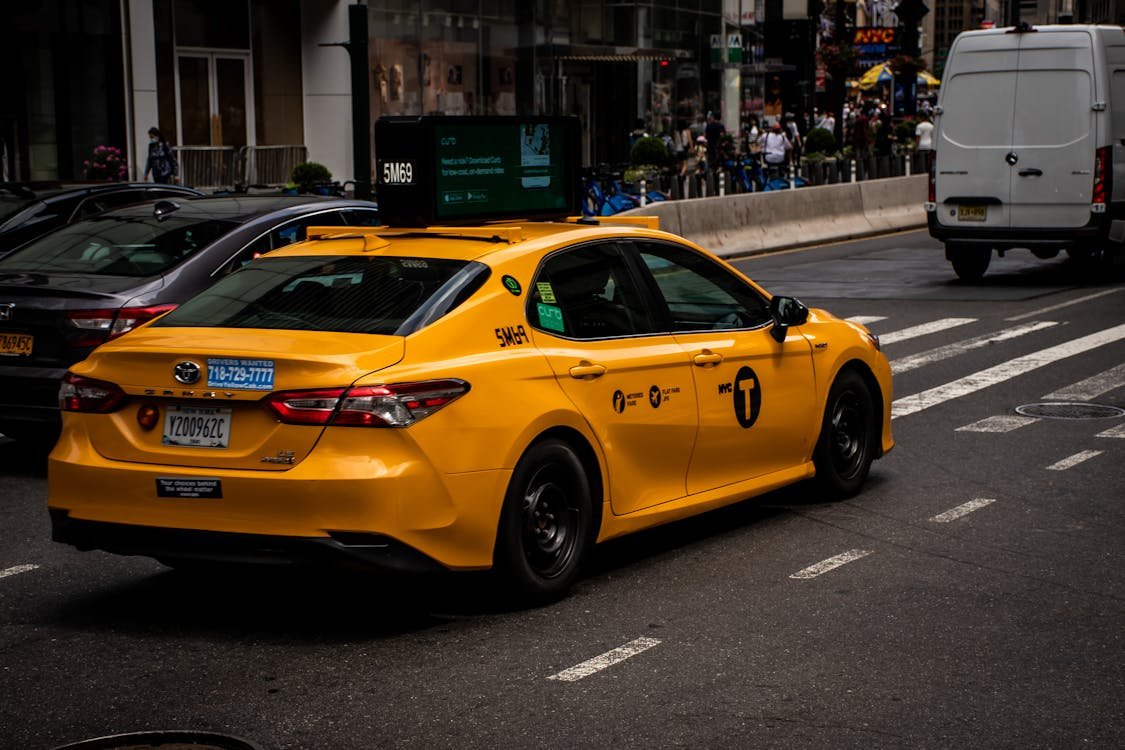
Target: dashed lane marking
x: 865, y: 319
x: 16, y: 570
x: 1092, y: 387
x: 923, y: 330
x: 1113, y: 432
x: 1052, y: 308
x: 1006, y: 370
x: 962, y: 510
x: 608, y: 659
x: 831, y: 563
x: 1072, y: 461
x: 914, y: 361
x: 1001, y: 423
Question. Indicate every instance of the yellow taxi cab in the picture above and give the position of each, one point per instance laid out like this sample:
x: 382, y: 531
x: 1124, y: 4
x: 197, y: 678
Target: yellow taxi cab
x: 502, y: 395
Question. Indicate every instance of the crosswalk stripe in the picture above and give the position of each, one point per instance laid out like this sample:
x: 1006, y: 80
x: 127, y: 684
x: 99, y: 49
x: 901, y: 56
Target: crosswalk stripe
x: 1090, y: 388
x: 914, y: 361
x: 962, y: 510
x: 917, y: 402
x: 1113, y: 432
x: 923, y: 330
x: 865, y: 319
x: 1072, y: 461
x: 1004, y: 423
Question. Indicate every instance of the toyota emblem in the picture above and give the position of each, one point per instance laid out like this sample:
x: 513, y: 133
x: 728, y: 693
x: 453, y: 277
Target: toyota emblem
x: 6, y: 310
x: 186, y: 372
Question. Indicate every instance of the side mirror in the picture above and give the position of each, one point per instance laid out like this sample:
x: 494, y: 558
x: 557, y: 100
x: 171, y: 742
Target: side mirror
x: 786, y: 311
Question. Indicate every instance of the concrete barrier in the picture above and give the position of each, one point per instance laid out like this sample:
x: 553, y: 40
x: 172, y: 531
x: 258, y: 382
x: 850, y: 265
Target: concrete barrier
x: 751, y: 223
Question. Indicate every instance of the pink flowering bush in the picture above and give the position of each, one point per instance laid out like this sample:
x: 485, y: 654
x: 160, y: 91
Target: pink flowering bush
x: 107, y: 163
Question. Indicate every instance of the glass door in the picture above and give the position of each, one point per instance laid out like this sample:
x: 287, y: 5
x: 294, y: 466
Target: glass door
x: 213, y: 100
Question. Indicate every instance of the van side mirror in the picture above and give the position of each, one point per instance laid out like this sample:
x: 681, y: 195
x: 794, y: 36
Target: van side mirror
x: 786, y: 311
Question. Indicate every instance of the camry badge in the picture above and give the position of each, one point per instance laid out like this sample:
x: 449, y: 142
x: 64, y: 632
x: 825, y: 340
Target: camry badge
x: 186, y: 372
x: 6, y: 310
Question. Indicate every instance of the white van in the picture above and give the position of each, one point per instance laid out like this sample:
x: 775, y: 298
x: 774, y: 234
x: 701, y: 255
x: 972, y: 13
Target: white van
x: 1030, y: 143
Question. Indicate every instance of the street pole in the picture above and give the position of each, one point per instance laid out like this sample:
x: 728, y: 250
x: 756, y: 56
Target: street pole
x: 361, y: 100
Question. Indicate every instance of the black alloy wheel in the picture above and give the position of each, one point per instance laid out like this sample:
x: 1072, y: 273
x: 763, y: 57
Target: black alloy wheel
x: 545, y: 524
x: 845, y: 449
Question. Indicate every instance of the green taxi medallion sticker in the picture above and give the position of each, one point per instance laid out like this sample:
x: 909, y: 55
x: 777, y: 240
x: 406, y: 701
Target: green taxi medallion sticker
x: 512, y: 285
x: 550, y: 317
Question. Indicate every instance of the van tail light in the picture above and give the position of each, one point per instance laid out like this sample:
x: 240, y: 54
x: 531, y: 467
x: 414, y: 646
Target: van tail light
x: 86, y: 394
x: 105, y: 325
x: 1103, y: 175
x: 931, y: 171
x: 395, y: 405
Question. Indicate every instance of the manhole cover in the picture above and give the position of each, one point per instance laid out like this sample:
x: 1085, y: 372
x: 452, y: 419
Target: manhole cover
x: 1057, y: 410
x: 175, y: 739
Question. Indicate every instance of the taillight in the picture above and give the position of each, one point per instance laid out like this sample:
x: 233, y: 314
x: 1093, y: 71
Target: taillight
x: 109, y: 324
x: 1102, y: 175
x: 931, y: 169
x: 395, y: 405
x: 86, y: 394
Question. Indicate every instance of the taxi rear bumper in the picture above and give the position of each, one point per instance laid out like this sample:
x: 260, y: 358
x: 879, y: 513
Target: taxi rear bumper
x: 370, y: 551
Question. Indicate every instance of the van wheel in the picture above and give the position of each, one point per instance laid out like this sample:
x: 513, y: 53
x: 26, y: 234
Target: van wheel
x: 844, y: 451
x: 969, y: 263
x: 1087, y: 259
x: 545, y: 524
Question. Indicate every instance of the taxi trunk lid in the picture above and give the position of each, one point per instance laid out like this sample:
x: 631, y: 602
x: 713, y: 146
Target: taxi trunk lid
x: 209, y: 399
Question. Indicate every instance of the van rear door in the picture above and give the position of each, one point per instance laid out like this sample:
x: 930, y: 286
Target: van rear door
x: 978, y: 103
x: 1053, y: 131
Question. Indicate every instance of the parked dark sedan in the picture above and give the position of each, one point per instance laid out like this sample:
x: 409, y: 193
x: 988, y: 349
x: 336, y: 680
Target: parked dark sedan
x: 30, y: 210
x: 67, y: 292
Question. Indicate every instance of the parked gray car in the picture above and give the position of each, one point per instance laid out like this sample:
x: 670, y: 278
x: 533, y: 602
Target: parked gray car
x: 73, y: 289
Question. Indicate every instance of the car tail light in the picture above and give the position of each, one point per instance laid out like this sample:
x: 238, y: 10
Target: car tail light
x: 931, y: 170
x: 1102, y: 176
x: 395, y: 405
x: 86, y: 394
x: 109, y: 324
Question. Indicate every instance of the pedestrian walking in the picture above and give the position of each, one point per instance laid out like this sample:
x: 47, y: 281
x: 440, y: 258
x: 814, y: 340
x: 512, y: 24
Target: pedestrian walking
x: 924, y: 134
x: 161, y: 162
x: 776, y: 148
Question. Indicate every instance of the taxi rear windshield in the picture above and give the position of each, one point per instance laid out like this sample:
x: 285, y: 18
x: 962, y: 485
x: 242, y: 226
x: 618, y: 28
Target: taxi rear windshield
x: 381, y: 295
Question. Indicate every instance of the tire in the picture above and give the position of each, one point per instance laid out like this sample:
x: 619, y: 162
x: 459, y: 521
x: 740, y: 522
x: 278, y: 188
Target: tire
x: 969, y: 263
x: 545, y: 524
x: 1088, y: 260
x: 846, y: 446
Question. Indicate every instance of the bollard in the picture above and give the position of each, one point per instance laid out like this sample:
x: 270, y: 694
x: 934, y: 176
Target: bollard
x: 792, y: 181
x: 909, y: 158
x: 722, y: 177
x: 644, y: 193
x: 852, y: 171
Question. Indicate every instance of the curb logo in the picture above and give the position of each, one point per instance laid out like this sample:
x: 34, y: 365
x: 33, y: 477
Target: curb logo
x: 747, y: 397
x: 618, y: 401
x: 654, y: 397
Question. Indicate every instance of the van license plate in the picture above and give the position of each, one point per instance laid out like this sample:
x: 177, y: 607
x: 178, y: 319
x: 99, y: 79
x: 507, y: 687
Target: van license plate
x: 972, y: 213
x: 197, y: 426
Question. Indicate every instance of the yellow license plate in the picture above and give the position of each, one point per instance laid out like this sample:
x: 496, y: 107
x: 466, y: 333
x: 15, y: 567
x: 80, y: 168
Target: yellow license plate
x: 16, y: 344
x: 972, y: 213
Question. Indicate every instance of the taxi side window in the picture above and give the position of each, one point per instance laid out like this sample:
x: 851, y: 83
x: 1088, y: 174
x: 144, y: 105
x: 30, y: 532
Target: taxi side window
x: 588, y: 293
x: 700, y: 295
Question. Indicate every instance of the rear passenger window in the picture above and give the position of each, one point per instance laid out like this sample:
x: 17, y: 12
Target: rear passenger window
x: 588, y: 293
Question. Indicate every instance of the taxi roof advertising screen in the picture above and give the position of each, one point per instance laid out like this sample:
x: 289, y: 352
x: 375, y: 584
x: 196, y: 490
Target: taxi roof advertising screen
x: 457, y: 170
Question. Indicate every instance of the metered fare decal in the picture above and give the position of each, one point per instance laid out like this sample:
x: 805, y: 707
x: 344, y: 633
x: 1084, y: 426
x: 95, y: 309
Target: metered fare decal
x: 656, y: 396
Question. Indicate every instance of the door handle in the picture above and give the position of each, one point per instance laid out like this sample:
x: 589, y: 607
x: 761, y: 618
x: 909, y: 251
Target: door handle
x: 1031, y: 172
x: 706, y: 358
x: 585, y: 369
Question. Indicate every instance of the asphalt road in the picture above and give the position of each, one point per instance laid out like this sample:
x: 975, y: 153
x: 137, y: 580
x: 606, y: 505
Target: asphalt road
x: 972, y: 596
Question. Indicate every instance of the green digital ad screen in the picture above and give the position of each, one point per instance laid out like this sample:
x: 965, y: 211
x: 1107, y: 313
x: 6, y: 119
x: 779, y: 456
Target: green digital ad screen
x: 457, y: 170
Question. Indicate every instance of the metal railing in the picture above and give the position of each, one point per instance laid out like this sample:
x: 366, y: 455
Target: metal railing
x: 225, y: 167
